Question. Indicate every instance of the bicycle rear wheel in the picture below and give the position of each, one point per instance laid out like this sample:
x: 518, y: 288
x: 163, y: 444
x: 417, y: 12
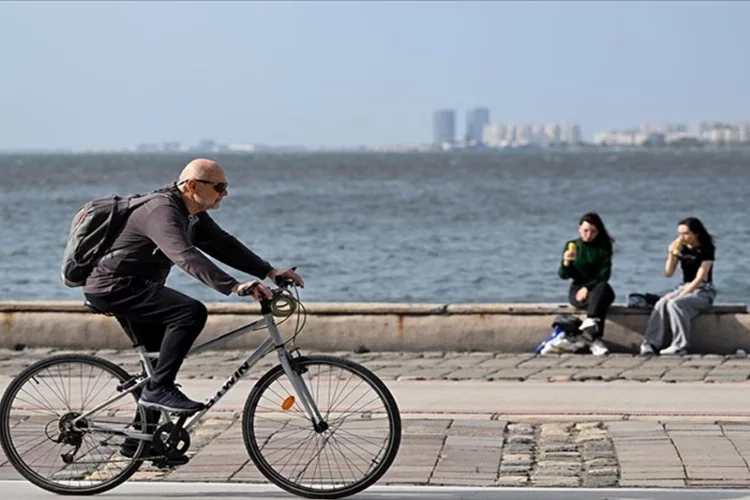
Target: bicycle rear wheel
x: 37, y: 432
x: 355, y: 447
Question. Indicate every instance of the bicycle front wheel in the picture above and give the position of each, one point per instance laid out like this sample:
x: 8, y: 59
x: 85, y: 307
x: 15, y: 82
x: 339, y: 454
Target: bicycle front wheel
x: 46, y: 441
x: 356, y: 444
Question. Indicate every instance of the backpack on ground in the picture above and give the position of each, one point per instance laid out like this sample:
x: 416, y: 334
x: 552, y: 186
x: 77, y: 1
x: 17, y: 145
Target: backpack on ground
x: 565, y: 336
x: 94, y: 227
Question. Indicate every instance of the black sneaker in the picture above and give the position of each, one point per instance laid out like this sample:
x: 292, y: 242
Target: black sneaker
x: 130, y: 446
x: 168, y: 398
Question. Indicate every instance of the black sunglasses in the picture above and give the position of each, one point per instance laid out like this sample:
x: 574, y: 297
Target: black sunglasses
x: 219, y: 187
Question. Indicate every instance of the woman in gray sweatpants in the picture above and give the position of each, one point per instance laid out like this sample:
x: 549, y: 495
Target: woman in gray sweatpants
x: 694, y: 250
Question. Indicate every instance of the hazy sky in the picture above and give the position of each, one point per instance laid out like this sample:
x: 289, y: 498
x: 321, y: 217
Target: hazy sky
x: 96, y: 74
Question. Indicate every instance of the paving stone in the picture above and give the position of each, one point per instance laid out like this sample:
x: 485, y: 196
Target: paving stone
x: 517, y: 459
x: 649, y: 483
x: 599, y: 481
x: 604, y: 471
x: 499, y: 363
x: 592, y: 435
x: 474, y: 442
x: 519, y: 448
x: 574, y: 457
x: 622, y: 361
x: 540, y: 363
x: 654, y: 472
x: 469, y: 374
x: 702, y: 362
x: 512, y: 480
x: 718, y: 473
x: 521, y: 439
x: 552, y: 481
x: 523, y: 429
x: 558, y: 374
x: 514, y: 470
x: 557, y: 469
x: 643, y: 374
x: 426, y: 374
x: 512, y: 374
x: 582, y: 362
x: 718, y: 483
x: 684, y: 375
x: 463, y: 481
x: 597, y: 463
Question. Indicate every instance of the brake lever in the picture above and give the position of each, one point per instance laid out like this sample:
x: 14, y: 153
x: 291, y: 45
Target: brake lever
x: 249, y: 290
x: 284, y: 282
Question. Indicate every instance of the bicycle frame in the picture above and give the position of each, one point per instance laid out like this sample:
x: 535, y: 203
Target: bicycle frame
x: 273, y: 342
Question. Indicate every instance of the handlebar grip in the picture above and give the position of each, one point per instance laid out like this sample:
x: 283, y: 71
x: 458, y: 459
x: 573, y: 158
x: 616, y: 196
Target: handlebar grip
x: 281, y: 281
x: 249, y: 290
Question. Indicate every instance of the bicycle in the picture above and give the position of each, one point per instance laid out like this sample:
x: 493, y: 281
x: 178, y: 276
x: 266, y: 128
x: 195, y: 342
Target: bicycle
x: 80, y: 450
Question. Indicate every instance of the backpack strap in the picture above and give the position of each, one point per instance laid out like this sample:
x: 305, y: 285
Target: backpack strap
x: 133, y: 202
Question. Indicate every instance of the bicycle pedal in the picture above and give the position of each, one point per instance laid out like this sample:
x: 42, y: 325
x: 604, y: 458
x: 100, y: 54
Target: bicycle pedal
x: 170, y: 463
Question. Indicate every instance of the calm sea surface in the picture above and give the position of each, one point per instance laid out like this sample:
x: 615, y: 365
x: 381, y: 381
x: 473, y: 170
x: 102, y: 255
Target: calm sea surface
x: 437, y: 228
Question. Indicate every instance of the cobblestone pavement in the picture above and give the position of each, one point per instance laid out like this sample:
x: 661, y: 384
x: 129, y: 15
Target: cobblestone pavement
x: 482, y: 450
x: 455, y: 366
x: 489, y: 453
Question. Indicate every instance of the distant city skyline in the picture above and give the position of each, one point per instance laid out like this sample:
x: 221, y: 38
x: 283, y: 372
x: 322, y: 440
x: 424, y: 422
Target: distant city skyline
x: 493, y: 136
x: 106, y: 75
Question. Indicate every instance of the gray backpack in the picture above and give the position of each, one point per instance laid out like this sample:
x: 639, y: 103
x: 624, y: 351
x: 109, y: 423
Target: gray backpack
x: 93, y: 229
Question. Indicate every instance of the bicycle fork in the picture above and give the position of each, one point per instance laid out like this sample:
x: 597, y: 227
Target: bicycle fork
x: 297, y: 381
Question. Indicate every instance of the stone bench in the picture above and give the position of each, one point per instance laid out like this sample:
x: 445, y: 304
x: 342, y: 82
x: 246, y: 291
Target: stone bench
x: 377, y: 327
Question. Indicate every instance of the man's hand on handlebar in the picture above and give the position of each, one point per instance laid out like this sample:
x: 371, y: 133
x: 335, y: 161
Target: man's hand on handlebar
x: 286, y: 277
x: 254, y: 288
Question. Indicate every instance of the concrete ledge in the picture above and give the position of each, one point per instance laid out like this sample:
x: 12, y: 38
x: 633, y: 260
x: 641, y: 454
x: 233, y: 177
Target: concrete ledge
x: 376, y: 326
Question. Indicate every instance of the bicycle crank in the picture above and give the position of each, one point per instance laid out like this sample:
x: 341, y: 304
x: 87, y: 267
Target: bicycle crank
x: 170, y: 441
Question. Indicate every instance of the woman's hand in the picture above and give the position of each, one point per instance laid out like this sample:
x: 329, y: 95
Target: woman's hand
x: 568, y: 257
x: 674, y: 247
x: 582, y: 294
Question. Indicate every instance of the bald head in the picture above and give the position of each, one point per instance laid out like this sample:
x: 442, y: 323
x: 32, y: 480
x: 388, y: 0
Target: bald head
x: 201, y: 168
x: 202, y: 184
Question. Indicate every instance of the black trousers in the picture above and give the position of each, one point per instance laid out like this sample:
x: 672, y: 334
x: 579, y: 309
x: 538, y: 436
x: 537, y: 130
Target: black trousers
x: 596, y: 304
x: 157, y: 317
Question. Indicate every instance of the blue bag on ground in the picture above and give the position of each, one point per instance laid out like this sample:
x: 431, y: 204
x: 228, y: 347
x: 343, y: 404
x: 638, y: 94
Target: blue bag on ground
x: 565, y: 336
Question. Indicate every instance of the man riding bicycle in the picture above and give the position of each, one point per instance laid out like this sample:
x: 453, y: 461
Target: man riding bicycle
x: 129, y: 280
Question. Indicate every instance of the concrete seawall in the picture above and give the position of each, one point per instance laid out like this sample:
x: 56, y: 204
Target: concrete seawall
x: 375, y: 327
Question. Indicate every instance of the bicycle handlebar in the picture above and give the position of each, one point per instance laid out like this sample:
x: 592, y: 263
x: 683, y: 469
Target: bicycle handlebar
x: 280, y: 281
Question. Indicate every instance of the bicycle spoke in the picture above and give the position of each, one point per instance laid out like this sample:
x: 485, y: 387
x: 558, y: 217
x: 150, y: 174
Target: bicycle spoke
x: 348, y: 461
x: 40, y: 408
x: 339, y: 430
x: 352, y: 448
x: 47, y: 404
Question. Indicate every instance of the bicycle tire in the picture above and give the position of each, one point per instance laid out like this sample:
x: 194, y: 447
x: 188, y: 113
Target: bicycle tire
x: 268, y: 471
x: 5, y: 429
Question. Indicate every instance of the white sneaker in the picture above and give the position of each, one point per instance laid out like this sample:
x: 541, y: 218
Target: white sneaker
x: 589, y: 327
x: 677, y: 351
x: 647, y: 350
x: 598, y: 348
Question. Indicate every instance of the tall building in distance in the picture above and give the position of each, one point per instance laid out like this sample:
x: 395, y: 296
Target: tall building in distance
x: 476, y: 120
x: 570, y: 134
x: 443, y: 127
